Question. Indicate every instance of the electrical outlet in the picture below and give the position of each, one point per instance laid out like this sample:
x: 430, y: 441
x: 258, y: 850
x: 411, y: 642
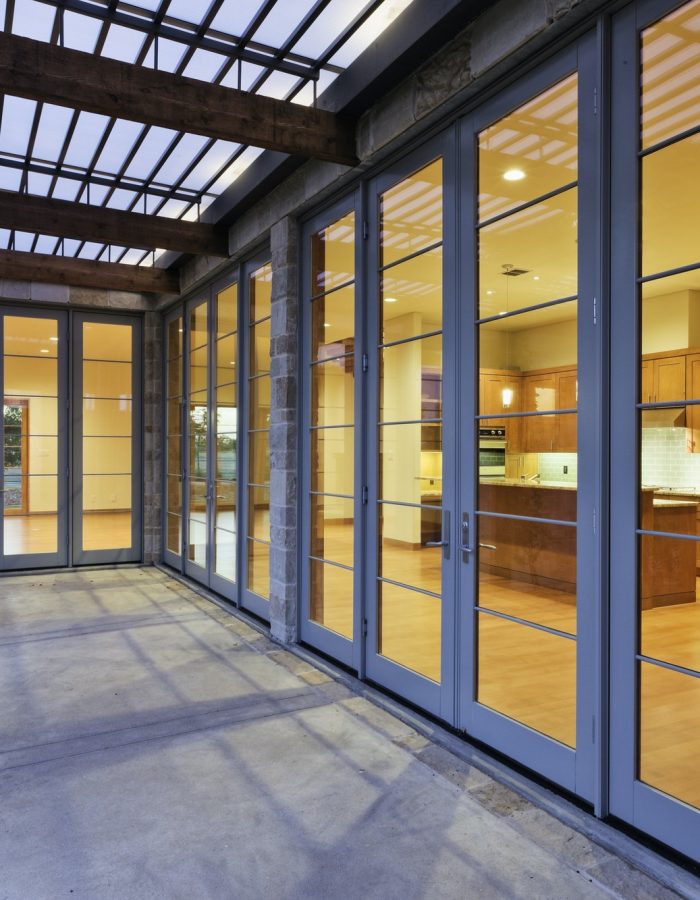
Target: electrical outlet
x: 566, y: 470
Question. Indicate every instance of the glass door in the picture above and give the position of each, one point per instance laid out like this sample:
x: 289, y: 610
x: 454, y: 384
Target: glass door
x: 655, y: 552
x: 528, y: 378
x: 34, y: 440
x: 410, y: 433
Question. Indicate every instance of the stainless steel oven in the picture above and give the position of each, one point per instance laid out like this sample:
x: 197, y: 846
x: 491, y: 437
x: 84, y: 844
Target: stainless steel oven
x: 492, y: 453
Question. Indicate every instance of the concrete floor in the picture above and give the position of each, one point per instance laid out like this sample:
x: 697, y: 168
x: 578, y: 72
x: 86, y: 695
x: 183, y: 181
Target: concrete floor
x: 152, y: 746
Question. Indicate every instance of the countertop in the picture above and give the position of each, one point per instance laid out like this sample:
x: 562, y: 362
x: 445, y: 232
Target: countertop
x: 661, y: 502
x: 516, y: 482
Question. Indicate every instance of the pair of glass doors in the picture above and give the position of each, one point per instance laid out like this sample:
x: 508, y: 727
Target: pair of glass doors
x: 70, y: 438
x: 499, y: 518
x: 217, y: 473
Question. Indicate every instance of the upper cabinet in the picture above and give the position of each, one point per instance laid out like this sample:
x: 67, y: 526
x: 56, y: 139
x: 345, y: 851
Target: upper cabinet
x: 663, y: 379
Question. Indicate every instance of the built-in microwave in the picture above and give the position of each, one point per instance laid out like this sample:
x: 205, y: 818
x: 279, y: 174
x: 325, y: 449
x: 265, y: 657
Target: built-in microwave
x: 492, y: 453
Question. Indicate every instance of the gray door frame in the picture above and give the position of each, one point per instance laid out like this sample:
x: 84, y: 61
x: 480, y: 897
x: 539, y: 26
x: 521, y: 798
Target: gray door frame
x: 573, y: 769
x: 175, y: 560
x: 646, y: 808
x: 62, y: 555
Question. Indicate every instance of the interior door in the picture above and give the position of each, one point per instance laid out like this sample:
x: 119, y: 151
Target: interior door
x: 34, y: 439
x: 410, y: 431
x: 526, y: 554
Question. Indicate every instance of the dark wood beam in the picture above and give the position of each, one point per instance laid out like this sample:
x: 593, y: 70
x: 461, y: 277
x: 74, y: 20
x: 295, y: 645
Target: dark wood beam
x: 16, y: 265
x: 62, y: 218
x: 40, y: 71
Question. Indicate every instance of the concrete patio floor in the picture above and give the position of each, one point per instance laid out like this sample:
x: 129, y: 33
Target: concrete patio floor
x: 154, y: 746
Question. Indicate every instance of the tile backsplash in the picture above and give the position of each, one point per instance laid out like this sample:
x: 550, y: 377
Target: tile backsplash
x: 551, y: 467
x: 666, y: 461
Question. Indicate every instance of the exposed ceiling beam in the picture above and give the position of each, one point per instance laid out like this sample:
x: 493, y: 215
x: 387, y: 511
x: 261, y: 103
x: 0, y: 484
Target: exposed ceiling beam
x: 61, y: 218
x: 16, y: 265
x: 40, y: 71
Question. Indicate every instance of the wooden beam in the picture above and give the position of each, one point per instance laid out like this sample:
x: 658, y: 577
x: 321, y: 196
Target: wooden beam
x: 40, y: 71
x: 16, y: 265
x: 62, y: 218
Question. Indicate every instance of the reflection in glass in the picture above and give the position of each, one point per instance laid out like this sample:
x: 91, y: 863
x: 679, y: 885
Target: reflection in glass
x: 331, y: 589
x: 174, y: 411
x: 333, y: 324
x: 198, y: 325
x: 528, y: 675
x: 106, y: 512
x: 411, y: 214
x: 410, y: 628
x: 261, y: 293
x: 225, y: 554
x: 107, y: 379
x: 332, y: 461
x: 669, y: 732
x: 410, y: 469
x: 227, y: 311
x: 333, y: 255
x: 539, y: 339
x: 411, y: 381
x: 259, y: 568
x: 332, y: 528
x: 404, y: 532
x: 333, y: 392
x: 259, y: 513
x: 33, y: 337
x: 27, y: 376
x: 411, y: 294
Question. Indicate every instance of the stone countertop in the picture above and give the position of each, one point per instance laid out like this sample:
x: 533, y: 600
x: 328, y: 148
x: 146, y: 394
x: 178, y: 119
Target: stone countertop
x: 516, y: 482
x: 674, y: 503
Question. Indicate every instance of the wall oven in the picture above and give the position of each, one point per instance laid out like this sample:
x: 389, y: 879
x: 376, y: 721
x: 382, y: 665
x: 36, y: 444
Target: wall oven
x: 492, y: 453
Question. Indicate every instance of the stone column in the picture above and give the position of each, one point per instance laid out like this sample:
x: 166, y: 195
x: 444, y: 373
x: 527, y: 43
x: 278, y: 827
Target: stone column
x: 283, y: 432
x: 153, y: 456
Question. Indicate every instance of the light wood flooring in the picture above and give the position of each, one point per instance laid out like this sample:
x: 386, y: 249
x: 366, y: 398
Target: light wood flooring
x: 39, y: 533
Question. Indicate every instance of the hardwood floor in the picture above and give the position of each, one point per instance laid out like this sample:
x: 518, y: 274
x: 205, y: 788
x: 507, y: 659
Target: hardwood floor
x: 39, y: 533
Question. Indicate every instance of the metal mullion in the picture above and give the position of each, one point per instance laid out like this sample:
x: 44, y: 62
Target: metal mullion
x: 647, y: 532
x: 668, y: 142
x: 508, y: 517
x: 409, y: 587
x: 409, y: 340
x: 667, y: 404
x: 333, y: 290
x: 527, y: 623
x: 527, y: 205
x: 381, y: 424
x: 328, y: 494
x: 320, y: 362
x: 407, y: 504
x: 526, y: 415
x: 410, y: 256
x: 664, y: 664
x: 331, y: 562
x: 667, y: 273
x: 329, y: 427
x: 525, y: 309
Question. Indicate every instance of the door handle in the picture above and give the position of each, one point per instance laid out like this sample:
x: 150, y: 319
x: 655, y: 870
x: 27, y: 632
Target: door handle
x: 444, y: 541
x: 488, y: 547
x: 464, y: 532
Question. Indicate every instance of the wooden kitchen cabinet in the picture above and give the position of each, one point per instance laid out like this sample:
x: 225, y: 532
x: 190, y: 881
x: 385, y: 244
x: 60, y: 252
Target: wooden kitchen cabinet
x: 546, y: 391
x: 663, y: 378
x: 566, y: 425
x: 692, y: 382
x: 492, y: 384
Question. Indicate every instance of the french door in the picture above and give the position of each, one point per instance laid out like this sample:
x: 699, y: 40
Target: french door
x: 71, y: 459
x: 655, y: 549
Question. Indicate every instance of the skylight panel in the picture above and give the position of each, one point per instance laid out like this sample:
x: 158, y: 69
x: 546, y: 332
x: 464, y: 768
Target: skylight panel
x: 281, y: 22
x: 53, y: 127
x: 90, y: 250
x: 180, y: 158
x: 66, y: 189
x: 249, y: 74
x: 236, y: 169
x: 38, y: 184
x: 121, y: 199
x: 4, y: 238
x: 111, y: 253
x: 97, y: 192
x: 149, y: 5
x: 70, y: 246
x: 367, y: 33
x: 10, y: 179
x: 80, y: 32
x: 153, y: 146
x: 170, y: 54
x: 23, y: 240
x: 187, y: 10
x: 17, y: 118
x: 210, y: 165
x: 235, y: 16
x: 123, y: 43
x: 33, y: 20
x: 87, y: 135
x: 131, y: 257
x: 331, y: 23
x: 204, y: 65
x: 46, y: 244
x: 119, y: 144
x: 278, y: 85
x: 173, y: 209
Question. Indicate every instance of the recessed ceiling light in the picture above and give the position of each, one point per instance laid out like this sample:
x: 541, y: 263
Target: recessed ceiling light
x: 514, y: 175
x: 489, y: 293
x: 44, y: 350
x: 390, y: 300
x: 503, y: 313
x: 54, y: 339
x: 326, y: 324
x: 535, y: 277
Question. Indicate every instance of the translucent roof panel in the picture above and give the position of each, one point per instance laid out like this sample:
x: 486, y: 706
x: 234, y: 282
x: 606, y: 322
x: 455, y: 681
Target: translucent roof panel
x: 287, y: 49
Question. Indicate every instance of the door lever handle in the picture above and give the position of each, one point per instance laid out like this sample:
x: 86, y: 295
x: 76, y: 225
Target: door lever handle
x: 488, y: 547
x: 436, y: 544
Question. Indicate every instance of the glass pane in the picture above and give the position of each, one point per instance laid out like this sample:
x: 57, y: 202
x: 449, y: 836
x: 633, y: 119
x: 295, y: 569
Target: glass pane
x: 174, y: 454
x: 30, y: 534
x: 199, y: 360
x: 404, y: 532
x: 106, y: 512
x: 528, y: 675
x: 333, y: 392
x: 261, y: 293
x: 411, y: 381
x: 174, y: 386
x: 106, y: 455
x: 227, y: 402
x: 259, y: 398
x: 114, y: 417
x: 530, y: 256
x: 333, y: 255
x: 332, y: 460
x: 259, y: 513
x: 259, y: 460
x: 226, y: 355
x: 528, y: 570
x: 199, y: 416
x: 34, y: 455
x: 30, y: 494
x: 411, y: 295
x: 225, y: 554
x: 409, y: 629
x: 670, y: 732
x: 260, y: 348
x: 25, y: 336
x: 198, y: 325
x: 671, y: 78
x: 670, y: 312
x: 227, y: 310
x: 411, y: 214
x: 670, y: 197
x: 26, y: 376
x: 670, y: 487
x: 333, y: 324
x: 669, y: 623
x: 197, y: 547
x: 259, y: 568
x: 198, y: 500
x: 40, y: 417
x: 174, y: 535
x: 528, y: 498
x: 332, y: 529
x: 226, y: 458
x: 174, y: 494
x: 407, y: 472
x: 174, y: 338
x: 107, y: 379
x: 331, y: 593
x: 531, y: 151
x: 541, y: 339
x: 225, y: 505
x: 106, y: 341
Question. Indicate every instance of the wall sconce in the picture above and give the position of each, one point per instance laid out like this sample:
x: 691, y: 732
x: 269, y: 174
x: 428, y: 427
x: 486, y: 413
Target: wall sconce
x: 507, y: 397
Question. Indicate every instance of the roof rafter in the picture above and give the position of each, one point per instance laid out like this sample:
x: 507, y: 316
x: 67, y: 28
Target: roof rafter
x: 62, y: 218
x: 109, y: 87
x: 42, y: 267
